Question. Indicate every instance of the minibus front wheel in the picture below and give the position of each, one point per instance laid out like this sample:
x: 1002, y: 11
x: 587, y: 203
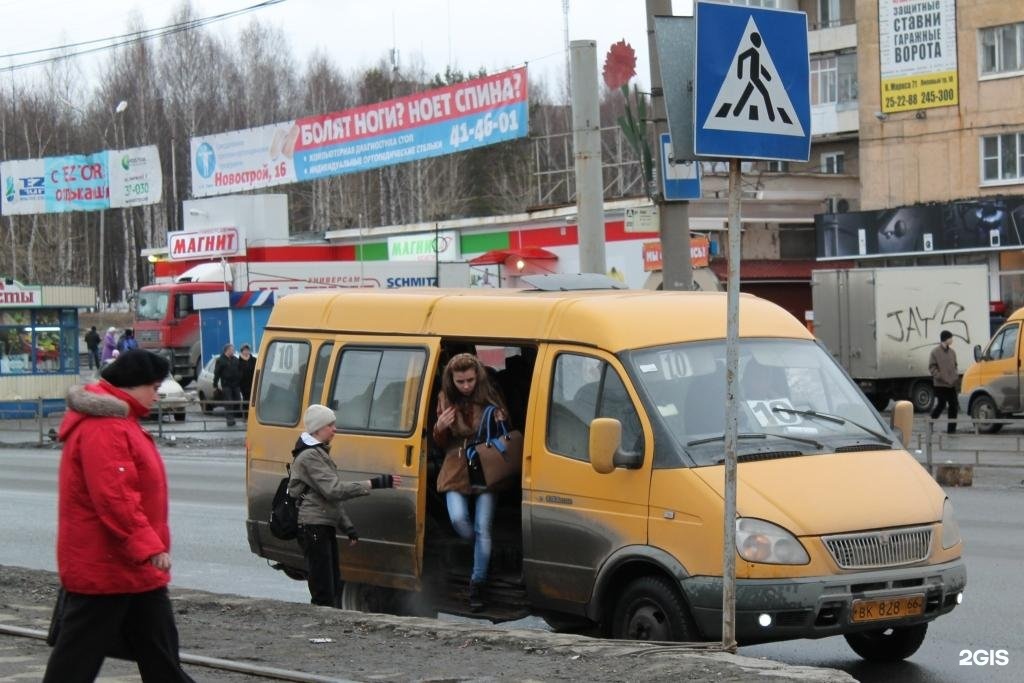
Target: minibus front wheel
x: 887, y: 644
x: 652, y: 609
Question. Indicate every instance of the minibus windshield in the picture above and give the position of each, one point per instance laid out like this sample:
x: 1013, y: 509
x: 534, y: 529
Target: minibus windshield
x: 789, y: 390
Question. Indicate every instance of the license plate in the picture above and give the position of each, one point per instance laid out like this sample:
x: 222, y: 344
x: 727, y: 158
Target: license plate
x: 889, y: 608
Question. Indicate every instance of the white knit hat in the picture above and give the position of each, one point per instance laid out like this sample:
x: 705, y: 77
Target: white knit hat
x: 317, y: 417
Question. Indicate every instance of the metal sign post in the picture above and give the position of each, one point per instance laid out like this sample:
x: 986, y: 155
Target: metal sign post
x: 752, y: 102
x: 732, y: 361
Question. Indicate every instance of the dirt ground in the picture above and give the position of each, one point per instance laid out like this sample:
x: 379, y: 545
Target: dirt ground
x: 365, y: 647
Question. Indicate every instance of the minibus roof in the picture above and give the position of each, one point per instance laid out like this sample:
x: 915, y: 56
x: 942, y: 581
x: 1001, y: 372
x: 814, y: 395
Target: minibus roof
x: 614, y: 320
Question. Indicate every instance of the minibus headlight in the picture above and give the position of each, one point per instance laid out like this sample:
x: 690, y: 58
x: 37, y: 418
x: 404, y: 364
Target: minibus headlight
x: 950, y: 529
x: 767, y: 543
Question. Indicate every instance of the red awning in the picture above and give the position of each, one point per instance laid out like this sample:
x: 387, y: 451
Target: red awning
x: 499, y: 256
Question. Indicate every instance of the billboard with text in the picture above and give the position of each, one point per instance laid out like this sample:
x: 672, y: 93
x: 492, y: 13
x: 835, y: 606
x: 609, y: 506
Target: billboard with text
x: 483, y: 111
x: 82, y: 182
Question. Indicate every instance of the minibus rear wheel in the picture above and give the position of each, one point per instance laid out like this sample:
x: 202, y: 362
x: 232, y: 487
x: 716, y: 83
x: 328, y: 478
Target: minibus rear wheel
x: 652, y: 609
x: 887, y: 644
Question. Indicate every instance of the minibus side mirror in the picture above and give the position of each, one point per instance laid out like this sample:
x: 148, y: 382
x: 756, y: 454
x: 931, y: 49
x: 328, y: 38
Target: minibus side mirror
x: 977, y: 352
x: 903, y: 420
x: 605, y: 437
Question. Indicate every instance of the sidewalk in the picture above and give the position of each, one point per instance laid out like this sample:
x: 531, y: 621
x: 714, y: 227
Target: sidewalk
x: 365, y: 647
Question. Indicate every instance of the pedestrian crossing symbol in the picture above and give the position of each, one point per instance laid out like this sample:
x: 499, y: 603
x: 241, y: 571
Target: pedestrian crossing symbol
x: 752, y: 85
x: 752, y: 98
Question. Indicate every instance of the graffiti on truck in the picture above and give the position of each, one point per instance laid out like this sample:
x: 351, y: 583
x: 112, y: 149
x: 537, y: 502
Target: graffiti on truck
x: 912, y: 325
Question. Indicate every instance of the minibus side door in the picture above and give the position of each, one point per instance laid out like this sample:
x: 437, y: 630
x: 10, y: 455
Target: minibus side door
x: 380, y: 390
x: 573, y: 517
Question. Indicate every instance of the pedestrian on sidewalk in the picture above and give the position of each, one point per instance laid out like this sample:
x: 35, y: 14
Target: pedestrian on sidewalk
x: 109, y: 344
x: 942, y: 366
x: 92, y: 342
x: 113, y: 538
x: 227, y: 376
x: 316, y: 483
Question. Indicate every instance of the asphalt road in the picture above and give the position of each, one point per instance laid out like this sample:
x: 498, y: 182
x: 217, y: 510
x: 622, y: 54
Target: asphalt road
x: 211, y: 553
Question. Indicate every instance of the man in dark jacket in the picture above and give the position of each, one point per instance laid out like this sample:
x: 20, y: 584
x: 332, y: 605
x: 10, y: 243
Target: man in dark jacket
x: 316, y: 483
x: 247, y: 367
x: 92, y: 342
x: 942, y: 366
x: 227, y: 376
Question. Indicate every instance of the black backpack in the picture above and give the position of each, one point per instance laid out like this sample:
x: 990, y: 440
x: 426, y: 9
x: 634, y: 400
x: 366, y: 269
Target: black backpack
x: 284, y: 513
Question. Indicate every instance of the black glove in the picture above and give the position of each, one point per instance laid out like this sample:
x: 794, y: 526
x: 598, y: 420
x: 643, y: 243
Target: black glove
x: 352, y: 535
x: 382, y: 481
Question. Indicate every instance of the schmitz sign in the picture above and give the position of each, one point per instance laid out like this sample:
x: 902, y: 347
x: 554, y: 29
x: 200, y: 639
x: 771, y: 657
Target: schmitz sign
x: 185, y: 246
x: 90, y: 182
x: 483, y: 111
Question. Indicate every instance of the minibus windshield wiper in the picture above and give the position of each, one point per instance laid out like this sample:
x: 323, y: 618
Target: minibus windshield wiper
x: 757, y: 435
x: 833, y: 418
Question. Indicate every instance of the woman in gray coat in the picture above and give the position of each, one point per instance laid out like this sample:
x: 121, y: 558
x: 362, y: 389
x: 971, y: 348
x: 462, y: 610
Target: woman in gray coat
x: 315, y: 482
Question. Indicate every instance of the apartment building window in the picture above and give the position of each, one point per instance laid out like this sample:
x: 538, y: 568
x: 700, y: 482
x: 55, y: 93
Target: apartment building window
x: 832, y: 162
x: 778, y: 167
x: 1002, y: 157
x: 771, y: 4
x: 834, y: 79
x: 824, y: 80
x: 829, y: 13
x: 1002, y: 49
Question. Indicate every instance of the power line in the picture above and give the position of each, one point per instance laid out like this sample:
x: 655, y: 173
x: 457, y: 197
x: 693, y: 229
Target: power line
x: 125, y: 39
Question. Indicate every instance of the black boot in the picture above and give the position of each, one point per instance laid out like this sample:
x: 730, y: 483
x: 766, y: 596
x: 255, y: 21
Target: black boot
x: 476, y: 595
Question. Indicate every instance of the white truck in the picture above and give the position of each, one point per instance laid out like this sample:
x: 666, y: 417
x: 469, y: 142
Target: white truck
x: 882, y: 323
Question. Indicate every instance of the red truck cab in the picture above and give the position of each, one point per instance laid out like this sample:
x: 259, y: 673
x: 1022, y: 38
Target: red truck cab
x: 167, y: 323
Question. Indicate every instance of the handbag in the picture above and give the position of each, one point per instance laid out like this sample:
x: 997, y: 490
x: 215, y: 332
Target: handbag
x: 498, y: 453
x: 454, y: 474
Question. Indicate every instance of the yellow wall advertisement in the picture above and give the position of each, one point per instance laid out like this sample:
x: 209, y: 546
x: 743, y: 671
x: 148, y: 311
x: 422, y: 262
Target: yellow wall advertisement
x: 917, y: 54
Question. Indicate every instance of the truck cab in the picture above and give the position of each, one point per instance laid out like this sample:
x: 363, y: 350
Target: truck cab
x: 167, y: 323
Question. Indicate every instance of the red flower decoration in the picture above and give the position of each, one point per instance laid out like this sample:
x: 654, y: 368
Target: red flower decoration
x: 619, y: 65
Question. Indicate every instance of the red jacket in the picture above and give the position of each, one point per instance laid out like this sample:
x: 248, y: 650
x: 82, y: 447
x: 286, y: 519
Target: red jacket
x: 112, y: 509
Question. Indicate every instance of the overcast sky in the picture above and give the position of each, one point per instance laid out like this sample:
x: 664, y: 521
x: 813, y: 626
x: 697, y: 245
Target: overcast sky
x: 358, y: 33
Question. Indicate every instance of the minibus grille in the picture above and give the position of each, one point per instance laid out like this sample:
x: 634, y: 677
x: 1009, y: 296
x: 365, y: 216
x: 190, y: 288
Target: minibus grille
x: 874, y: 549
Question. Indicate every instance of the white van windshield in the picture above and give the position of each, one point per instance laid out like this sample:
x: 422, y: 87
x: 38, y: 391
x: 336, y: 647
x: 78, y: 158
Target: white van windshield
x: 791, y: 396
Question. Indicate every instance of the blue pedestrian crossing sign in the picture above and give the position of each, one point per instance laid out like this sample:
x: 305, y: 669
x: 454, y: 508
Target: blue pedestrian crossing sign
x: 752, y: 85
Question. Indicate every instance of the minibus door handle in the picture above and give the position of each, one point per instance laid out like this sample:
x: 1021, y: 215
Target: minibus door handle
x: 408, y: 455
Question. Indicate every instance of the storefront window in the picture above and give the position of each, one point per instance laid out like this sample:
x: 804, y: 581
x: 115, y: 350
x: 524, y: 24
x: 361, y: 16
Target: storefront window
x: 38, y: 341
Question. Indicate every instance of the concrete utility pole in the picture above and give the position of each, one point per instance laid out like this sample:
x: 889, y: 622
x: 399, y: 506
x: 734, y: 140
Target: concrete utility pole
x: 586, y: 142
x: 675, y: 216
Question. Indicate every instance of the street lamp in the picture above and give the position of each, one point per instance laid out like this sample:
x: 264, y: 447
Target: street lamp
x: 119, y: 109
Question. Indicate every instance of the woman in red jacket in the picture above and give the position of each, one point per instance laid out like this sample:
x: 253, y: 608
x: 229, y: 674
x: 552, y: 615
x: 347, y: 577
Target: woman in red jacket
x: 113, y: 541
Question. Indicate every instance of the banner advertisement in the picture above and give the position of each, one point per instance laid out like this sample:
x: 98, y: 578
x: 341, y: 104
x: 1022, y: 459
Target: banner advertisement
x: 987, y: 224
x: 83, y: 182
x: 917, y: 54
x: 480, y: 112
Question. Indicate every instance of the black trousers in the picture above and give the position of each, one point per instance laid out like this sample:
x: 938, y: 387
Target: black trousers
x: 233, y: 407
x: 944, y: 396
x: 94, y: 357
x: 94, y: 624
x: 319, y: 543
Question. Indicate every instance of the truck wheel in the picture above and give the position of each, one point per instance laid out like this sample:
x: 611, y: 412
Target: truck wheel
x: 179, y: 416
x: 651, y: 609
x: 983, y: 408
x: 887, y: 644
x: 922, y: 394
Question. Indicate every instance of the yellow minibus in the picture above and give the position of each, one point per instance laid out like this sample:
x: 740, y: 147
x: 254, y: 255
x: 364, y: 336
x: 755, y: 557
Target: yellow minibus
x: 616, y: 527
